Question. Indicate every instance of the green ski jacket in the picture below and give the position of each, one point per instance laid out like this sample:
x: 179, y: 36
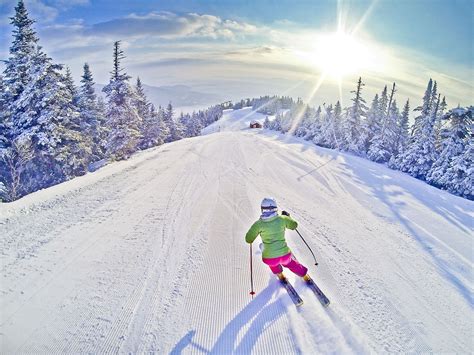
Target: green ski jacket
x: 272, y: 232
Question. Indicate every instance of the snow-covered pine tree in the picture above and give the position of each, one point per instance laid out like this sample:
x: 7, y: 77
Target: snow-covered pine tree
x: 22, y: 51
x: 445, y: 172
x: 276, y: 123
x: 76, y: 145
x: 324, y: 137
x: 337, y: 126
x: 164, y: 128
x: 439, y: 125
x: 383, y: 144
x: 460, y: 174
x: 176, y: 129
x: 266, y: 123
x: 194, y: 126
x: 40, y: 111
x: 15, y: 161
x: 403, y: 128
x: 143, y: 108
x: 151, y: 129
x: 4, y: 129
x: 15, y: 78
x: 420, y: 153
x: 71, y: 86
x: 46, y: 116
x: 402, y: 136
x: 123, y: 121
x: 315, y: 125
x: 212, y: 114
x: 383, y: 105
x: 304, y: 127
x: 373, y: 120
x: 103, y: 128
x: 140, y: 100
x: 13, y: 83
x: 4, y: 126
x: 184, y: 121
x: 354, y: 137
x: 92, y: 116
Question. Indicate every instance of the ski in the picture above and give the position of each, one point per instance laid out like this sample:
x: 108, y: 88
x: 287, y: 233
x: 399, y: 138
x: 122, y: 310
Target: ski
x: 321, y: 296
x: 292, y: 292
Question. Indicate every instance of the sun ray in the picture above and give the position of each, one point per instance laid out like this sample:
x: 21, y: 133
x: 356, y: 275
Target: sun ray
x: 273, y: 100
x: 364, y: 17
x: 339, y: 87
x: 299, y: 115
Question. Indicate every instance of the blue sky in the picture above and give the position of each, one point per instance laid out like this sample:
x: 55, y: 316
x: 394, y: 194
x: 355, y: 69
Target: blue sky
x: 259, y: 47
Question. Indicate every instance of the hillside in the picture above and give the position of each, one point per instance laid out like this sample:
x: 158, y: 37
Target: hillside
x: 148, y: 255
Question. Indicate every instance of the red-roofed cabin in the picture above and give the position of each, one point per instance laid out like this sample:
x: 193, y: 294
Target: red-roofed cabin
x: 255, y: 124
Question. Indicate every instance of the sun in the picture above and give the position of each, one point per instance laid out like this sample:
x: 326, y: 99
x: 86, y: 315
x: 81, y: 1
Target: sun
x: 339, y: 54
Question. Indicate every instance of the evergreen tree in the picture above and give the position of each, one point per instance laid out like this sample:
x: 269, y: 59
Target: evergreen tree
x: 176, y: 129
x: 324, y: 137
x: 143, y: 108
x: 304, y: 127
x: 336, y: 129
x: 92, y: 116
x: 141, y: 101
x: 315, y: 126
x: 276, y: 123
x: 122, y: 118
x: 373, y: 120
x: 402, y: 133
x: 156, y: 129
x: 15, y: 75
x: 4, y: 127
x: 266, y: 123
x: 384, y: 144
x: 420, y: 154
x: 71, y: 86
x: 460, y: 174
x: 455, y: 142
x: 194, y: 126
x: 41, y: 116
x: 46, y: 116
x: 440, y: 131
x: 383, y: 105
x: 165, y: 130
x: 22, y: 52
x: 354, y: 136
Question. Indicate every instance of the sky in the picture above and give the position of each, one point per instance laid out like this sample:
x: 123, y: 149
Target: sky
x: 310, y: 49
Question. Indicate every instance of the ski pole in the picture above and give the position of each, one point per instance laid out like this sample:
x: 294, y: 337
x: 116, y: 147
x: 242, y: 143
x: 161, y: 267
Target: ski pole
x: 315, y: 262
x: 251, y: 273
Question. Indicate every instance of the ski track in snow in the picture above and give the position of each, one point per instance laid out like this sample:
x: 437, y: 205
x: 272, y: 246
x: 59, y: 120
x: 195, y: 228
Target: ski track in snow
x: 149, y: 255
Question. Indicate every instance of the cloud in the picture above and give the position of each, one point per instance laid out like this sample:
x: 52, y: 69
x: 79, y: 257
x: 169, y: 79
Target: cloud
x: 36, y: 8
x: 41, y: 11
x: 172, y: 25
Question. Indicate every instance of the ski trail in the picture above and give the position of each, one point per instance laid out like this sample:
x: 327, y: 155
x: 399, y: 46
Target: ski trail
x: 148, y: 256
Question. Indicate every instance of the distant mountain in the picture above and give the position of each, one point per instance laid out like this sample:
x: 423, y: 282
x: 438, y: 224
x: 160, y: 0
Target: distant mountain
x: 178, y: 95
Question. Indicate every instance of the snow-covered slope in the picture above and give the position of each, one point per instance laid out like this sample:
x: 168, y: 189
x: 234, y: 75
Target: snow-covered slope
x: 148, y: 255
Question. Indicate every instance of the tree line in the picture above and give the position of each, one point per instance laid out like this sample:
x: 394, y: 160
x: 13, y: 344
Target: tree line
x: 52, y: 130
x: 437, y: 147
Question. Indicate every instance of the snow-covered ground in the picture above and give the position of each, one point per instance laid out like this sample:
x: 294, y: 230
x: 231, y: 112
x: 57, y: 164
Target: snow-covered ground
x: 148, y: 255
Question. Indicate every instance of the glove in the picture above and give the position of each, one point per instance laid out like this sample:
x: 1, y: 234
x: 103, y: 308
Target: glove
x: 284, y: 213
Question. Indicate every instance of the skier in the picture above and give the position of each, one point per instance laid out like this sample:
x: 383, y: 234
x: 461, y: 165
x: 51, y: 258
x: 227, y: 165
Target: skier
x: 271, y: 228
